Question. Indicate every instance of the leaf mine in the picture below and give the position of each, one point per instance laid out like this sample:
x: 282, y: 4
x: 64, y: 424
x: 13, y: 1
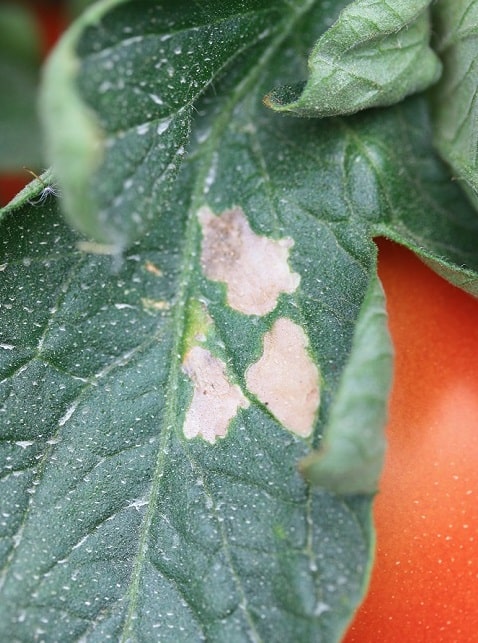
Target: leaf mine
x: 253, y: 267
x: 215, y: 400
x: 286, y: 379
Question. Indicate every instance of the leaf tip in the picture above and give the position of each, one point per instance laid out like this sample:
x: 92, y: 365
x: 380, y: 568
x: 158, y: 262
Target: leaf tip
x: 321, y: 470
x: 284, y: 98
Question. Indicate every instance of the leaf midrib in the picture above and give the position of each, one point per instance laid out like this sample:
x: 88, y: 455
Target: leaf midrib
x: 191, y: 238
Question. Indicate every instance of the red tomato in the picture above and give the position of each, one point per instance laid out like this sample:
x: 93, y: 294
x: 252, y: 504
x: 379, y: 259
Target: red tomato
x: 52, y: 21
x: 10, y: 185
x: 424, y: 585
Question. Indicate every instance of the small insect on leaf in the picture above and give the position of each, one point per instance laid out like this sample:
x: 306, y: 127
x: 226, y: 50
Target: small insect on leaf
x: 47, y: 190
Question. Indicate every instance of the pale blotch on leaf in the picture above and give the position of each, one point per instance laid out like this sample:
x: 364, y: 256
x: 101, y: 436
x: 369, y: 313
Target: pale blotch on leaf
x: 215, y: 400
x: 254, y: 268
x: 286, y: 379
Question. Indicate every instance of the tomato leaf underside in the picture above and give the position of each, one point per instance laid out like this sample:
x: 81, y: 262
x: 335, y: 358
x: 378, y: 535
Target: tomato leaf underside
x: 455, y: 106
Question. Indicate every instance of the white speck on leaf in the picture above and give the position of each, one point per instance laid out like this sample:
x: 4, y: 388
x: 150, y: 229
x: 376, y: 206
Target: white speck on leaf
x: 163, y: 125
x: 211, y: 175
x: 23, y: 444
x: 67, y: 415
x: 156, y: 99
x: 142, y: 129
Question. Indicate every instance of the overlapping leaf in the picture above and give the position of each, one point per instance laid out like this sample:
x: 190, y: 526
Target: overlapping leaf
x: 351, y: 454
x: 115, y: 524
x: 376, y: 54
x: 455, y: 100
x: 125, y: 86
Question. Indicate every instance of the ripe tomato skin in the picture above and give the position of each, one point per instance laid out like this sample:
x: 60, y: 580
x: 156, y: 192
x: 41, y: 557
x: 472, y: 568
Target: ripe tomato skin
x: 424, y: 585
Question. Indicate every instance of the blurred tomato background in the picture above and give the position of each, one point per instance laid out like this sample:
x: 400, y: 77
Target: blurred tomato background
x: 425, y: 579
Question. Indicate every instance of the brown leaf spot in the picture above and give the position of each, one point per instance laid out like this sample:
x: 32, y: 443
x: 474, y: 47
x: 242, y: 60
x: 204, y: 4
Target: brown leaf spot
x: 153, y: 269
x: 155, y: 304
x: 253, y: 267
x: 285, y: 378
x: 215, y: 400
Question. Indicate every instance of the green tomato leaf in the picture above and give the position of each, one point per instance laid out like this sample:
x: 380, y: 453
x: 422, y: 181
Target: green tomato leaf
x: 442, y: 227
x: 115, y: 523
x: 375, y: 54
x: 351, y: 453
x: 155, y: 405
x: 454, y: 100
x: 75, y: 7
x: 123, y: 83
